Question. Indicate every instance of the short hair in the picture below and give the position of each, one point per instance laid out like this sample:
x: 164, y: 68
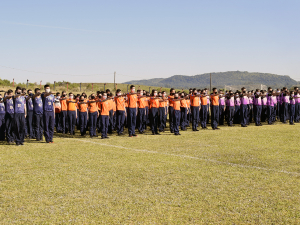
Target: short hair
x: 46, y: 85
x: 132, y: 86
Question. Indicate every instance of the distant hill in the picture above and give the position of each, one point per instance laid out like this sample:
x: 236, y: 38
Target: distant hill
x: 219, y: 80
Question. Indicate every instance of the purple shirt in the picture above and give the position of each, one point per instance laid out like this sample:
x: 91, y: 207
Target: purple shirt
x: 264, y: 101
x: 9, y: 105
x: 2, y: 108
x: 292, y: 101
x: 286, y: 99
x: 222, y: 101
x: 244, y: 100
x: 250, y: 100
x: 237, y: 102
x: 19, y: 104
x: 257, y: 101
x: 298, y: 99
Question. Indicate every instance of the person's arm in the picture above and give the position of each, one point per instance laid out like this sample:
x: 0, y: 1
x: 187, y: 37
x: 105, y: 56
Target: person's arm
x: 47, y: 94
x: 15, y: 96
x: 25, y: 110
x: 8, y: 96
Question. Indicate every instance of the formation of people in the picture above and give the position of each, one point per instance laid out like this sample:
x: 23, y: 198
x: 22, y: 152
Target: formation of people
x: 37, y: 114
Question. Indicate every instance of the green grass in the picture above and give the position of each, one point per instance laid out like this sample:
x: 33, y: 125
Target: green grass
x: 231, y: 176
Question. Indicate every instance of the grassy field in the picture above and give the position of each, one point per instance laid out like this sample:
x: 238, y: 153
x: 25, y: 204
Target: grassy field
x: 230, y: 176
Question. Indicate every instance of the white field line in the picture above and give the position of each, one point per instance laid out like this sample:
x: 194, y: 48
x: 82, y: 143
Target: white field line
x: 193, y: 157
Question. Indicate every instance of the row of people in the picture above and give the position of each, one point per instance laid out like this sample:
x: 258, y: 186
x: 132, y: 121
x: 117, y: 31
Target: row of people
x: 34, y: 115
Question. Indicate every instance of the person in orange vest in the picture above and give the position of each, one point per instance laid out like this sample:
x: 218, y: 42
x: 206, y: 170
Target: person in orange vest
x: 195, y: 107
x: 64, y: 112
x: 83, y: 114
x: 142, y: 100
x: 163, y: 111
x: 177, y: 113
x: 214, y: 109
x: 184, y: 111
x: 93, y: 114
x: 154, y: 102
x: 132, y: 111
x: 105, y: 107
x: 120, y: 112
x: 171, y: 109
x: 204, y: 109
x: 72, y: 113
x: 111, y: 112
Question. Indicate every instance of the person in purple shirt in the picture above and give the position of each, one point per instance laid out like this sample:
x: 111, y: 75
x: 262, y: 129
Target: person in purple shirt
x: 230, y: 108
x: 20, y: 115
x: 285, y: 105
x: 270, y: 106
x: 38, y: 114
x: 257, y: 107
x: 2, y: 119
x: 29, y: 117
x: 244, y: 107
x: 9, y: 116
x: 250, y: 107
x: 237, y: 106
x: 264, y: 106
x: 292, y: 108
x: 221, y: 108
x: 297, y: 104
x: 49, y: 113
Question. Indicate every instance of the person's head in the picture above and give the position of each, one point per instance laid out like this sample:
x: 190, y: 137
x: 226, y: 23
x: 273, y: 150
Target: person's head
x: 176, y: 95
x: 71, y: 96
x: 172, y: 91
x: 195, y: 91
x: 164, y: 94
x: 111, y: 95
x: 215, y: 90
x: 292, y: 93
x: 154, y: 92
x: 23, y: 90
x: 29, y: 92
x: 147, y: 93
x: 81, y: 98
x: 104, y: 96
x: 295, y: 89
x: 140, y: 93
x: 84, y: 94
x: 107, y: 91
x: 9, y: 92
x: 93, y: 96
x: 18, y: 90
x: 37, y: 90
x: 63, y: 93
x: 119, y: 92
x: 182, y: 95
x: 57, y: 94
x: 132, y: 88
x: 243, y: 89
x: 159, y: 94
x: 47, y: 88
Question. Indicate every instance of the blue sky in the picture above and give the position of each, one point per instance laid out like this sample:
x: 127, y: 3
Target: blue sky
x: 146, y: 39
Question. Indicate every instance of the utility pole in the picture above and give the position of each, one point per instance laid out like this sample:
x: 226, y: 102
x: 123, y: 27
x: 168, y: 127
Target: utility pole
x: 80, y: 86
x: 115, y: 80
x: 13, y: 82
x: 210, y: 83
x: 27, y: 83
x: 54, y: 86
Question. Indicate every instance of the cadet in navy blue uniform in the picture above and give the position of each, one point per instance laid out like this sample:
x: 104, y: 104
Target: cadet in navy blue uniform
x: 48, y: 104
x: 20, y: 115
x: 38, y: 115
x: 29, y: 117
x: 2, y: 119
x: 9, y: 116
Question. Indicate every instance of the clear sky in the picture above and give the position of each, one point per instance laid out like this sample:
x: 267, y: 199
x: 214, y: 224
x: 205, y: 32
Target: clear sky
x: 142, y: 39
